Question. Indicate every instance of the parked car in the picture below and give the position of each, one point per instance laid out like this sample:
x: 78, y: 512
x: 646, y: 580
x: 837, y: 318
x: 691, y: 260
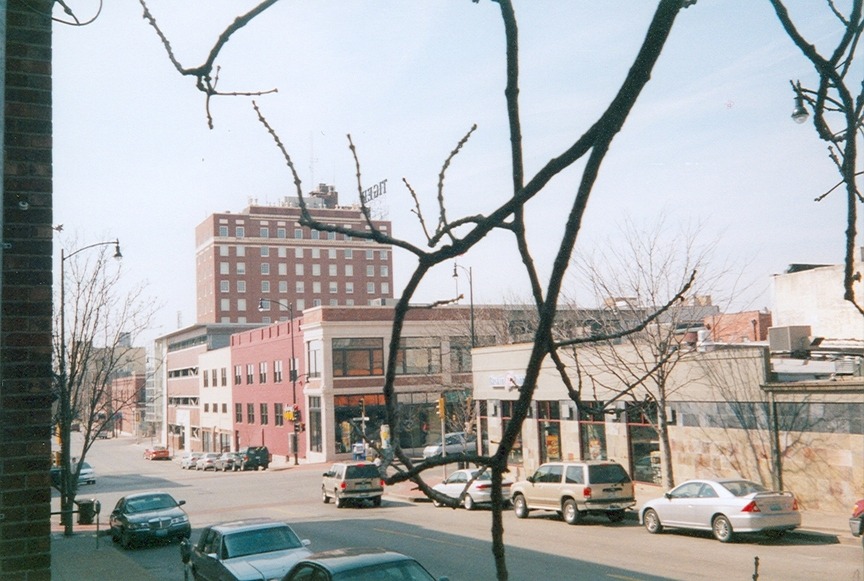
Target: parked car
x: 189, y: 459
x: 575, y: 489
x: 455, y: 442
x: 157, y: 453
x: 352, y: 481
x: 147, y: 516
x: 227, y: 461
x: 478, y: 492
x: 244, y: 550
x: 359, y: 564
x: 856, y: 521
x: 724, y: 507
x: 207, y: 461
x: 87, y: 474
x: 255, y: 457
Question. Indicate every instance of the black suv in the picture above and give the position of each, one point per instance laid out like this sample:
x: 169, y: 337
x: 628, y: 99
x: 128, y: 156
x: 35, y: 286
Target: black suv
x: 253, y: 457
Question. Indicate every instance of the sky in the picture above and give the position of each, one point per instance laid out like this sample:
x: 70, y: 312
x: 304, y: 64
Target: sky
x: 710, y: 141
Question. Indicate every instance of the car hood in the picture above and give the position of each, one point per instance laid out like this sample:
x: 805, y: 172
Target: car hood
x: 265, y: 566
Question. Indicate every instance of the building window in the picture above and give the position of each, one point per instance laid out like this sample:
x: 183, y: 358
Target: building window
x: 332, y: 270
x: 225, y: 305
x: 418, y: 355
x: 316, y: 235
x: 298, y: 269
x: 238, y: 413
x: 277, y: 371
x: 349, y: 288
x: 316, y: 253
x: 224, y: 268
x: 206, y: 407
x: 213, y: 378
x: 349, y: 270
x: 283, y: 286
x: 265, y: 286
x: 250, y: 413
x: 460, y: 355
x: 241, y: 251
x: 241, y: 305
x: 298, y: 233
x: 239, y: 231
x: 241, y: 268
x: 278, y: 414
x: 264, y: 232
x: 385, y: 288
x: 334, y: 288
x: 314, y: 353
x: 314, y: 424
x: 238, y: 374
x: 385, y: 271
x: 349, y: 253
x: 224, y: 408
x: 370, y: 288
x: 223, y: 249
x: 265, y: 251
x: 370, y: 255
x: 250, y: 374
x: 281, y: 233
x: 383, y: 254
x: 283, y: 269
x: 358, y: 357
x: 301, y: 304
x: 265, y: 268
x: 262, y: 372
x: 298, y: 253
x: 241, y: 286
x: 334, y: 302
x: 299, y: 287
x: 224, y: 372
x: 265, y: 419
x: 316, y: 287
x: 316, y: 270
x: 331, y: 236
x: 592, y: 430
x: 224, y: 286
x: 205, y: 379
x: 331, y: 253
x: 223, y: 231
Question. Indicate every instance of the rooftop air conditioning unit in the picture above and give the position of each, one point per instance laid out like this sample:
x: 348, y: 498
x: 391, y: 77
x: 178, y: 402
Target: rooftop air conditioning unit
x: 791, y: 339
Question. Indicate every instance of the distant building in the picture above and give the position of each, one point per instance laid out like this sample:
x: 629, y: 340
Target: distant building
x: 264, y: 252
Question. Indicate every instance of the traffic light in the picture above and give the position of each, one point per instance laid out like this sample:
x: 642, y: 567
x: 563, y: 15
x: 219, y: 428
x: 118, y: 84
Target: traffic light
x: 296, y: 413
x: 442, y: 408
x: 289, y: 414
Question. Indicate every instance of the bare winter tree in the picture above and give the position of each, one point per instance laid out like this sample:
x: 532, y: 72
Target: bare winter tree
x: 97, y: 321
x: 837, y: 103
x: 447, y: 237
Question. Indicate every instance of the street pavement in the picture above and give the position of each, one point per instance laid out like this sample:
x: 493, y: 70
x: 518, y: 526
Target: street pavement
x: 86, y: 555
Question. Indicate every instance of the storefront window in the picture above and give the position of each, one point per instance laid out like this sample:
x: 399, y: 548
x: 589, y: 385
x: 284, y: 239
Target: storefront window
x: 592, y: 431
x: 314, y: 424
x: 418, y: 356
x: 358, y: 357
x: 515, y: 456
x: 352, y: 424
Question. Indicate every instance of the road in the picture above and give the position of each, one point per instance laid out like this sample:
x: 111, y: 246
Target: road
x: 448, y: 542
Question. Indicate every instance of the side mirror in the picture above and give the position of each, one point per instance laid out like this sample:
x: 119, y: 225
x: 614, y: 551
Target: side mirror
x: 530, y: 479
x: 185, y: 550
x: 668, y: 495
x: 181, y: 502
x: 306, y: 542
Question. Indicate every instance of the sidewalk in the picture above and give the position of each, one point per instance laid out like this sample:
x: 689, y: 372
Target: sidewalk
x: 83, y: 556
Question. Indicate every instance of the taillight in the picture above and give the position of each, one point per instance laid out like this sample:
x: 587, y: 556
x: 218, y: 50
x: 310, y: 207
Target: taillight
x: 382, y: 483
x: 586, y: 492
x: 751, y: 507
x: 343, y: 485
x: 794, y: 504
x: 483, y: 486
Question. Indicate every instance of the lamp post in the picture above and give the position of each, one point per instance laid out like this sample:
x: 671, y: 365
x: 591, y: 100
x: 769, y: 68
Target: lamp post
x: 470, y: 296
x: 292, y: 370
x: 66, y: 405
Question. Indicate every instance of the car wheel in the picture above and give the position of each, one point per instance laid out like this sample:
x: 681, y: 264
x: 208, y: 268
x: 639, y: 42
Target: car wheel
x: 324, y: 498
x: 376, y: 501
x: 652, y: 522
x: 115, y: 538
x: 615, y: 515
x: 722, y: 529
x: 520, y: 507
x: 340, y: 502
x: 125, y: 540
x: 468, y: 503
x: 570, y: 512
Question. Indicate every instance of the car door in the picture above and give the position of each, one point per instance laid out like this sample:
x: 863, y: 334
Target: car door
x: 543, y: 493
x: 679, y: 508
x: 704, y: 507
x: 455, y: 484
x: 206, y: 556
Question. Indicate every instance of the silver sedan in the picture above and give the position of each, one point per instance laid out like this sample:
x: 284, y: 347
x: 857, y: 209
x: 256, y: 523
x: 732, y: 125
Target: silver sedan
x: 723, y: 507
x: 479, y: 492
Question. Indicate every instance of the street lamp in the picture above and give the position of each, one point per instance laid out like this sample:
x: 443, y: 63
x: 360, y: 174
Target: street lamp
x: 470, y: 296
x: 65, y: 404
x: 262, y: 306
x: 799, y: 113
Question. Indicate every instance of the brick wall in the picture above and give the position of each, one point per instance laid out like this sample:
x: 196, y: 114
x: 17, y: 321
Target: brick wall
x: 25, y: 319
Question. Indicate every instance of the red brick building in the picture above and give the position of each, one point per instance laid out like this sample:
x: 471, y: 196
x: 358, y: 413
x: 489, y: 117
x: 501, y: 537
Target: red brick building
x: 264, y: 252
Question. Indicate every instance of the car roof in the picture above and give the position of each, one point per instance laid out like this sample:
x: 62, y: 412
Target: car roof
x: 248, y: 524
x: 143, y: 494
x: 336, y: 560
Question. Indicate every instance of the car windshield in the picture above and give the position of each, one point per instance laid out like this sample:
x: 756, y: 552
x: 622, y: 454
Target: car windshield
x: 397, y: 571
x: 258, y: 541
x: 607, y: 473
x: 743, y: 487
x: 148, y: 503
x: 362, y: 471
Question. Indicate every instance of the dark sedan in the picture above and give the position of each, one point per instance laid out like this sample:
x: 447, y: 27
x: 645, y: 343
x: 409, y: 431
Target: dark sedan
x: 148, y: 516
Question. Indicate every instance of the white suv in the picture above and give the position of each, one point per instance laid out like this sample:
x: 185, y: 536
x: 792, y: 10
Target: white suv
x: 575, y: 489
x: 347, y: 481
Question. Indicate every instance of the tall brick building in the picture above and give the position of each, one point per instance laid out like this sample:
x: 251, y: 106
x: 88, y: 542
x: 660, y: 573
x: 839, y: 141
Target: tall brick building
x: 25, y: 317
x: 264, y: 252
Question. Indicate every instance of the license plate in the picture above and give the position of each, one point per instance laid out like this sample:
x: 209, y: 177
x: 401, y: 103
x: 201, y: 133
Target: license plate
x: 775, y: 507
